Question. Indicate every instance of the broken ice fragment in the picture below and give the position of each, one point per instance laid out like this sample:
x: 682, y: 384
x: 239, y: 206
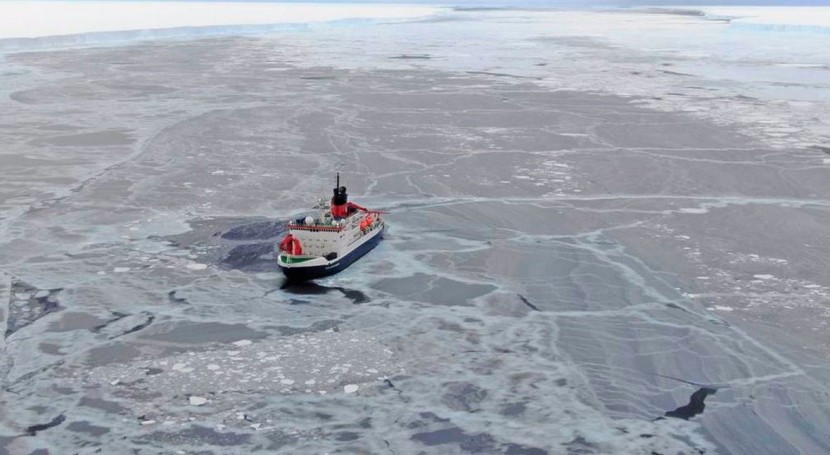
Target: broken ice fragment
x: 198, y: 401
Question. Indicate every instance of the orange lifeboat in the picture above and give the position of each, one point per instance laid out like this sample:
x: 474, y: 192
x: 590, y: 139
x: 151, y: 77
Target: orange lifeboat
x: 291, y: 245
x: 366, y: 222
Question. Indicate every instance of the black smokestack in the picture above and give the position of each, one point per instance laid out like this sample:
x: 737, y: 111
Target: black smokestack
x: 340, y: 196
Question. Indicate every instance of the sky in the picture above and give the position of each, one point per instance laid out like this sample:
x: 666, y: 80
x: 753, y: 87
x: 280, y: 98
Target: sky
x: 539, y: 3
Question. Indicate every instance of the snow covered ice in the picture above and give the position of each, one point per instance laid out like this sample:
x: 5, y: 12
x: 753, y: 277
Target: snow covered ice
x: 605, y: 236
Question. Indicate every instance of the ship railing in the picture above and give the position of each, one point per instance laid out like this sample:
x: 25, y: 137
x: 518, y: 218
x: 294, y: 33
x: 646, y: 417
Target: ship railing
x: 315, y: 228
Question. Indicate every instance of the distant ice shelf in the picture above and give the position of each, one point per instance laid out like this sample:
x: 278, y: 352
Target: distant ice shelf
x: 36, y: 24
x: 799, y: 19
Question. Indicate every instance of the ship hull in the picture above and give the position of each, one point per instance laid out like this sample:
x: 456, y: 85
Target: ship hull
x: 299, y: 272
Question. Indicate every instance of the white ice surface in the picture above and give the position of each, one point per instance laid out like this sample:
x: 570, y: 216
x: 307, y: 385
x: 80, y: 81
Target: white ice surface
x: 31, y: 19
x: 792, y: 16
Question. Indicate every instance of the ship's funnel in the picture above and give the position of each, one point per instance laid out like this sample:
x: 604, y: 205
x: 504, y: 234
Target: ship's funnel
x: 340, y: 200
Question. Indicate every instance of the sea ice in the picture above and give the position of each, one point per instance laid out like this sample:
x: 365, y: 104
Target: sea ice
x: 22, y: 19
x: 350, y: 388
x: 696, y: 211
x: 198, y: 401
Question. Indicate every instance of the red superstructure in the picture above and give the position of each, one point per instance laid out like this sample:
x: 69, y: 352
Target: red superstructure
x: 340, y: 205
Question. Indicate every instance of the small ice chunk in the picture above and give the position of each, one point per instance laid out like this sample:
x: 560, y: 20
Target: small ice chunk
x: 242, y: 343
x: 695, y: 211
x: 198, y: 401
x: 41, y: 294
x: 723, y: 308
x: 762, y: 276
x: 182, y: 367
x: 121, y: 269
x: 213, y: 367
x: 350, y: 388
x: 287, y: 381
x: 196, y: 266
